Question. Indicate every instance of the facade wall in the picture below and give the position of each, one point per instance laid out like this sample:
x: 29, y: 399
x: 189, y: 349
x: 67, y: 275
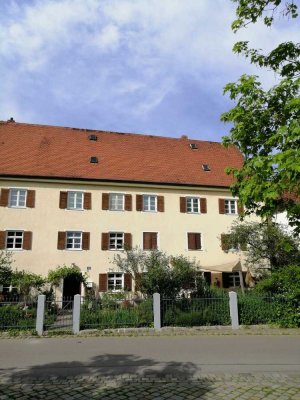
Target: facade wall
x: 46, y: 219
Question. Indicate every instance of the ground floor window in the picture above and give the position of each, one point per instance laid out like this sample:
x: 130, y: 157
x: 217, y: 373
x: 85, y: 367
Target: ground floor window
x: 115, y: 281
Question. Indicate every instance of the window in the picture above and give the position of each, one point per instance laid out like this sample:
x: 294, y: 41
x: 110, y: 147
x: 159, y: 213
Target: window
x: 116, y: 202
x: 192, y: 205
x: 17, y: 197
x: 194, y: 241
x: 115, y: 281
x: 14, y: 240
x: 150, y: 240
x: 116, y: 241
x: 74, y: 240
x: 230, y: 206
x: 231, y: 279
x: 149, y: 202
x: 75, y: 200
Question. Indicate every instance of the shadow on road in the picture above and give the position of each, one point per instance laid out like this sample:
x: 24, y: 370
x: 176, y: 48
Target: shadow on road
x: 106, y: 376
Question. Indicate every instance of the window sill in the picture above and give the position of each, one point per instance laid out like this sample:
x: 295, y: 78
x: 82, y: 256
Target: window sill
x: 73, y: 249
x: 74, y: 209
x: 18, y: 207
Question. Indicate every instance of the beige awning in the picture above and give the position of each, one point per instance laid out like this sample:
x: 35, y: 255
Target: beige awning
x: 233, y: 266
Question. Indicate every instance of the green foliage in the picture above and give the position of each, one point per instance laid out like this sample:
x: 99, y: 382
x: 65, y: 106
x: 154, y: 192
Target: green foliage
x: 255, y: 308
x: 165, y: 274
x: 62, y: 272
x: 17, y: 316
x: 104, y: 314
x: 265, y: 242
x: 5, y: 268
x: 196, y: 312
x: 284, y: 287
x: 25, y: 281
x: 266, y: 124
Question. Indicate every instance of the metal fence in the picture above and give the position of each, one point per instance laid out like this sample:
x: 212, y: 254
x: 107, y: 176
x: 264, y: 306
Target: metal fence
x: 110, y: 312
x: 195, y: 311
x: 17, y: 312
x: 256, y: 309
x: 59, y: 313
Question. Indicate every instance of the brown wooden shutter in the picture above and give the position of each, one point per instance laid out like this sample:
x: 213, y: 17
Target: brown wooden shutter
x: 139, y: 202
x: 2, y: 240
x: 87, y: 201
x: 128, y: 202
x: 127, y: 282
x: 182, y: 204
x: 30, y: 199
x: 203, y: 206
x: 149, y: 240
x: 103, y: 282
x: 198, y: 241
x: 137, y: 281
x: 240, y: 208
x: 128, y: 241
x: 27, y: 240
x: 154, y: 241
x: 105, y: 201
x: 61, y: 240
x: 160, y: 203
x: 105, y: 241
x: 85, y: 240
x: 191, y: 241
x: 224, y: 242
x: 63, y: 199
x: 4, y: 197
x: 221, y: 206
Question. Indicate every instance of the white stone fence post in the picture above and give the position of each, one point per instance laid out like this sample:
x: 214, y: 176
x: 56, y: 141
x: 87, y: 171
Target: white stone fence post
x: 76, y: 313
x: 156, y: 311
x: 40, y: 314
x: 234, y: 313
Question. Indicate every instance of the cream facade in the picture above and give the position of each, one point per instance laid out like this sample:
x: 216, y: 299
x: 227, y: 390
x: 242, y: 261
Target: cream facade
x: 46, y: 219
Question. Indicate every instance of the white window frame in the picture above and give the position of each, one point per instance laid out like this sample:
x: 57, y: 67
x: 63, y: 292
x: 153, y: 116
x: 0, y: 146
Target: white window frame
x: 192, y: 199
x: 147, y: 205
x: 18, y: 190
x: 236, y: 279
x: 73, y: 237
x: 229, y: 207
x: 116, y: 239
x: 75, y: 193
x: 11, y: 231
x: 114, y: 278
x: 114, y: 203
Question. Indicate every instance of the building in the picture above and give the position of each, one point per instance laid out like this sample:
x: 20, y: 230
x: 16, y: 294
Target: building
x: 78, y: 196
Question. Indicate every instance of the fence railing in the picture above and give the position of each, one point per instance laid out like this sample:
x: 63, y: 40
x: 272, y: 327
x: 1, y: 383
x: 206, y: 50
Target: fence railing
x: 17, y: 312
x: 78, y: 313
x: 115, y: 313
x: 195, y: 311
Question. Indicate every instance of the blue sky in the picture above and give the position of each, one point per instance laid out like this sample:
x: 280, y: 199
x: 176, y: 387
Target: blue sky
x: 144, y: 66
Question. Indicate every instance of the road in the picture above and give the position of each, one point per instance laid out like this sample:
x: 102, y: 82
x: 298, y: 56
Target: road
x: 146, y: 368
x: 172, y: 354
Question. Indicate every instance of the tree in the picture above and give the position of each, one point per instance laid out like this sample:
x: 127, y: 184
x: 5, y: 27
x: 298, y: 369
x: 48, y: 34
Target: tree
x: 267, y: 244
x: 26, y: 281
x: 5, y: 268
x: 155, y: 271
x: 266, y: 123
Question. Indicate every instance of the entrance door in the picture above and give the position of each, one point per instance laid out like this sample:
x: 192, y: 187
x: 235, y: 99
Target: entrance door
x: 72, y: 286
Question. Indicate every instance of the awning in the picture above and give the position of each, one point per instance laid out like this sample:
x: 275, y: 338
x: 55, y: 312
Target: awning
x: 233, y: 266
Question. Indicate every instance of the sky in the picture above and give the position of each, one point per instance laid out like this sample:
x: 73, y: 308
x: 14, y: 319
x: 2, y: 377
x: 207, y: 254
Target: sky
x: 144, y: 66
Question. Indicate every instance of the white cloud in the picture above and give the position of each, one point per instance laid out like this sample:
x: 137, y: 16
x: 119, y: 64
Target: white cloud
x: 131, y: 54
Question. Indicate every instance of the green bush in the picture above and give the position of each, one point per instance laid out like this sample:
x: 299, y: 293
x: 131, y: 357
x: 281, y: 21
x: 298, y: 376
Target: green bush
x: 98, y: 314
x: 17, y: 316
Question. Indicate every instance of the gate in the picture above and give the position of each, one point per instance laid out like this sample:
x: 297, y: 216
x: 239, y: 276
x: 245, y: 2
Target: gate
x: 59, y: 314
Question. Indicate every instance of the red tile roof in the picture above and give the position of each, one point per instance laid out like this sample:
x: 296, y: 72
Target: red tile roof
x: 58, y: 152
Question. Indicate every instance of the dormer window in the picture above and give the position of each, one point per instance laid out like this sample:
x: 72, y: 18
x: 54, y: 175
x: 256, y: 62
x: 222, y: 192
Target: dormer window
x: 193, y: 146
x: 93, y: 137
x: 205, y: 167
x: 94, y: 160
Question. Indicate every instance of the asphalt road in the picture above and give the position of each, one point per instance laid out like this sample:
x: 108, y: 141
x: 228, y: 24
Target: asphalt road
x: 186, y: 356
